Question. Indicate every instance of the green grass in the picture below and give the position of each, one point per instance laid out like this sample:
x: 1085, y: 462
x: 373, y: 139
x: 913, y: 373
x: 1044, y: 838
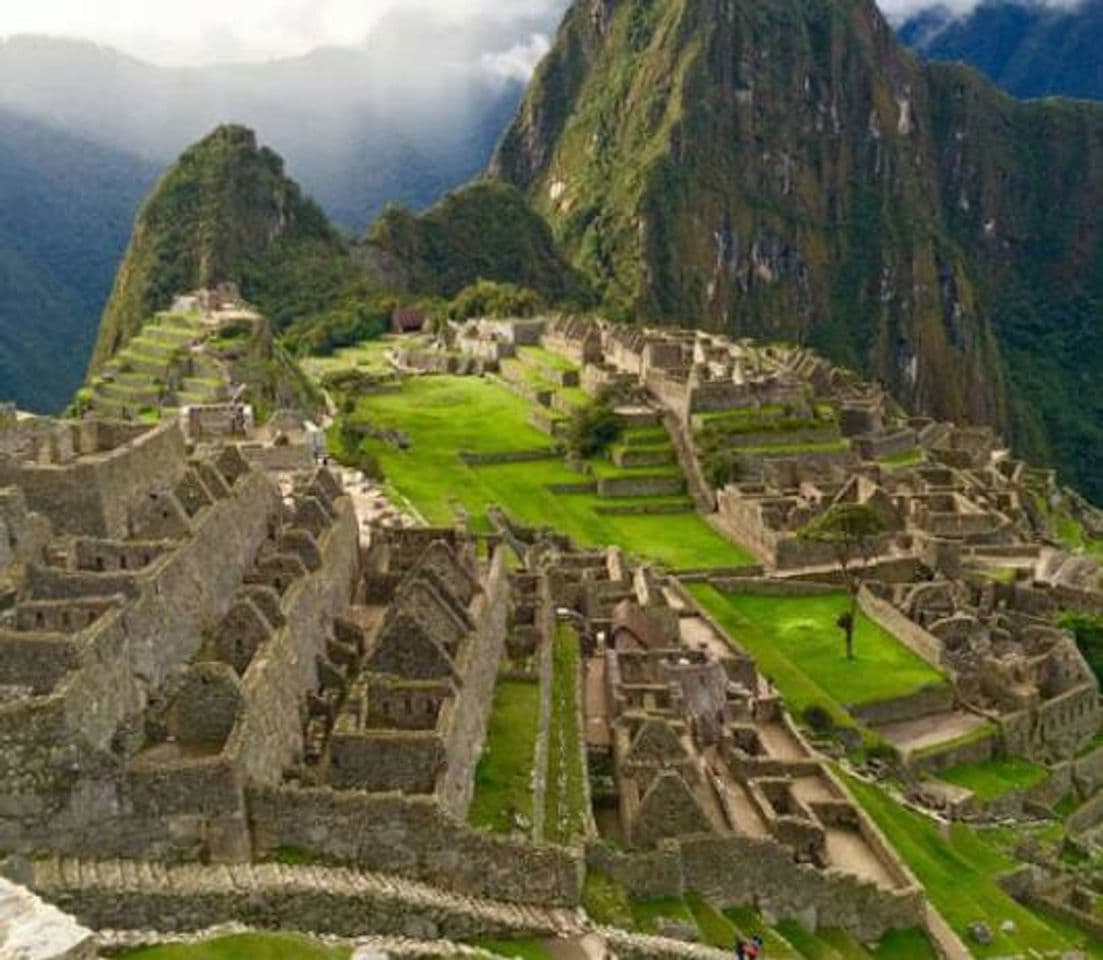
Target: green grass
x: 546, y: 357
x: 565, y: 801
x: 796, y: 643
x: 959, y: 874
x: 716, y: 929
x: 606, y: 901
x: 442, y: 416
x: 750, y: 924
x: 503, y: 778
x: 648, y: 915
x: 997, y: 777
x: 906, y: 458
x: 368, y: 356
x: 251, y: 946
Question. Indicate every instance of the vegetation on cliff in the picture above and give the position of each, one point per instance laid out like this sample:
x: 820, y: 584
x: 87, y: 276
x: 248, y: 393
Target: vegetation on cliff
x: 788, y: 169
x: 225, y: 211
x: 486, y: 231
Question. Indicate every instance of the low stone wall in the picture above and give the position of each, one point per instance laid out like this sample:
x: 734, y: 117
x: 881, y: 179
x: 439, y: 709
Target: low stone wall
x: 732, y: 871
x: 653, y: 485
x: 323, y: 900
x: 922, y: 703
x: 771, y: 587
x: 642, y: 509
x: 412, y: 836
x: 953, y: 755
x: 516, y: 456
x: 923, y: 644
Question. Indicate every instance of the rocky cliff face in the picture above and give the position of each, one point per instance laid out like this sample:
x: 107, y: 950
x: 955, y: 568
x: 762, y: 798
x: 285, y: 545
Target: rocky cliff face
x: 785, y: 168
x: 215, y: 216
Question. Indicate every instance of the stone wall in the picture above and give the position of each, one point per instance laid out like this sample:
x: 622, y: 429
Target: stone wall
x: 61, y: 784
x: 923, y: 644
x: 270, y: 734
x: 490, y: 612
x: 647, y: 485
x: 414, y: 837
x: 954, y: 754
x: 95, y: 494
x: 922, y: 703
x: 735, y: 870
x: 328, y: 900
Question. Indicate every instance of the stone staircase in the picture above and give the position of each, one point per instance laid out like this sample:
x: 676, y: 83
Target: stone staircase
x: 624, y: 943
x: 119, y: 894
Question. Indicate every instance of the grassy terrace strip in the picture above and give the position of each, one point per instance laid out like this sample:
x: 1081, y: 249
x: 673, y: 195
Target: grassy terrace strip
x: 995, y: 778
x: 541, y: 356
x: 796, y: 643
x: 442, y: 416
x: 959, y: 874
x: 369, y: 356
x: 503, y: 778
x: 973, y: 736
x: 565, y: 799
x: 247, y: 946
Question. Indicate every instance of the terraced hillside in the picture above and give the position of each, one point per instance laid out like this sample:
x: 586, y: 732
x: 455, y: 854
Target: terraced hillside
x: 165, y: 367
x: 188, y: 359
x: 468, y: 444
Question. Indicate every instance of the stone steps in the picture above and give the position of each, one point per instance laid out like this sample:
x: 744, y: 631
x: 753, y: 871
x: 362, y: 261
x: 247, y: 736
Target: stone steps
x: 651, y: 945
x: 83, y: 886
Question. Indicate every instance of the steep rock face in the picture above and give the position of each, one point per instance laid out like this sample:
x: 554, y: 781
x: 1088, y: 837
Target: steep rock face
x: 215, y: 216
x: 787, y: 168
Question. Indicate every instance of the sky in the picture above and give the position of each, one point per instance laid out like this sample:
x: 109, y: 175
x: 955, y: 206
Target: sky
x: 207, y: 31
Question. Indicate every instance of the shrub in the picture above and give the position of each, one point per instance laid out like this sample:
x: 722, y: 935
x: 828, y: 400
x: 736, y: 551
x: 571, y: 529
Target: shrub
x: 485, y: 298
x: 818, y: 719
x: 593, y: 430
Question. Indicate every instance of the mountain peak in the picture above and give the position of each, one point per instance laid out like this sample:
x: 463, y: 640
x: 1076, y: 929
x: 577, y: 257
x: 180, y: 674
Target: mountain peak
x: 222, y: 207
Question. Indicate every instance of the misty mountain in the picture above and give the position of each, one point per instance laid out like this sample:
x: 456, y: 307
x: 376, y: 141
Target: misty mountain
x: 66, y: 210
x: 410, y: 112
x: 84, y: 131
x: 1030, y: 48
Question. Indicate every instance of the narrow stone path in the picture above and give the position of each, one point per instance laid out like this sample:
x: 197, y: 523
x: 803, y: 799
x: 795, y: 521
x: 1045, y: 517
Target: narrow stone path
x: 119, y: 893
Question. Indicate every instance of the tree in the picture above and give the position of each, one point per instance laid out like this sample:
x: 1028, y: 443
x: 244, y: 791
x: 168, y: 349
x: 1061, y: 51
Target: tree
x: 851, y: 530
x: 593, y: 429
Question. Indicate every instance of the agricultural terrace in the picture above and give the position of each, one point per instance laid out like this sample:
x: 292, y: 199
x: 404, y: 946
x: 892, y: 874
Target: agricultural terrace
x: 441, y: 417
x: 608, y: 903
x: 960, y: 872
x: 995, y: 778
x: 797, y: 644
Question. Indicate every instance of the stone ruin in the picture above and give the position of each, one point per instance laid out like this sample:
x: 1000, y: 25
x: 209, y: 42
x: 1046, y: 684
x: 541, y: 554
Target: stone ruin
x: 707, y: 771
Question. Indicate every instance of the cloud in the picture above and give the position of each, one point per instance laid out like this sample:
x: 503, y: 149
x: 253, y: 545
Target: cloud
x: 519, y: 61
x: 208, y: 31
x: 899, y: 9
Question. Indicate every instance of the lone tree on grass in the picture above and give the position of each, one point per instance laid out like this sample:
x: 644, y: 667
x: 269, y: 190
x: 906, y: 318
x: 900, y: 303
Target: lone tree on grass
x: 851, y: 530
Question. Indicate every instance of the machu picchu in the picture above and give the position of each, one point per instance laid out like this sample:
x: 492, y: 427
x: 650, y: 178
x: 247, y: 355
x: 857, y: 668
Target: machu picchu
x: 679, y: 542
